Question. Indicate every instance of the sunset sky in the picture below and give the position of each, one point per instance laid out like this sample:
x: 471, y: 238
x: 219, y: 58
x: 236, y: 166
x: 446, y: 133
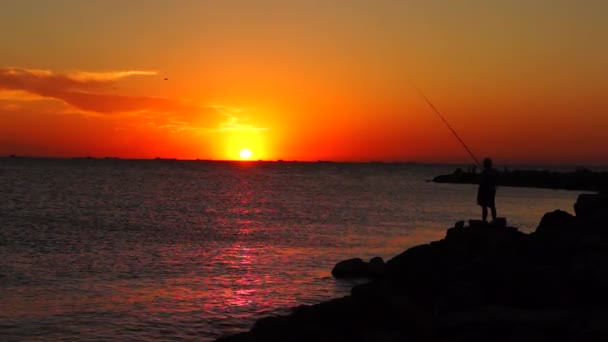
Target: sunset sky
x: 520, y: 80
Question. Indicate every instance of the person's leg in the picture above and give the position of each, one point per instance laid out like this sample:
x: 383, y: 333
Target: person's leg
x: 493, y: 208
x: 484, y: 213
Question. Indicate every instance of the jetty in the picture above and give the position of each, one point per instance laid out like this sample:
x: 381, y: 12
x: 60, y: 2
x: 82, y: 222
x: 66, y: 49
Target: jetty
x: 580, y: 179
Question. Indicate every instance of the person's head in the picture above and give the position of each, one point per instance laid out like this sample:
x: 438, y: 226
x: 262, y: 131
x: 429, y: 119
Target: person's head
x: 487, y: 163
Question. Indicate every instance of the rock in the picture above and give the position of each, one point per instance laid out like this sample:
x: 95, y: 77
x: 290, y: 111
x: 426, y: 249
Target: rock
x: 463, y: 243
x: 527, y: 334
x: 593, y: 241
x: 587, y: 204
x: 340, y: 319
x: 376, y: 267
x: 596, y: 221
x: 588, y: 279
x: 596, y: 328
x: 557, y: 221
x: 367, y: 290
x: 483, y: 282
x: 273, y: 327
x: 357, y: 268
x: 351, y: 268
x: 504, y: 318
x: 376, y: 261
x: 240, y: 337
x: 477, y: 224
x: 459, y: 296
x: 458, y: 241
x: 499, y: 222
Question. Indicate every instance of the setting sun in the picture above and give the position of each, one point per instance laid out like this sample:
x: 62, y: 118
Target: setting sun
x: 245, y: 153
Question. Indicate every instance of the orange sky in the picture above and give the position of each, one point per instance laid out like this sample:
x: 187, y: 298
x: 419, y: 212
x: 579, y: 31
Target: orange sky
x: 521, y: 81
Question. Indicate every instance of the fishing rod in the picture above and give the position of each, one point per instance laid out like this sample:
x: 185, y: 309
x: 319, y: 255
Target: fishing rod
x: 449, y: 126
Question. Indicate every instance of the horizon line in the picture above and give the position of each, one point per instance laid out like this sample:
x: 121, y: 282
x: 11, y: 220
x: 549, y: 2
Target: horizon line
x: 510, y: 163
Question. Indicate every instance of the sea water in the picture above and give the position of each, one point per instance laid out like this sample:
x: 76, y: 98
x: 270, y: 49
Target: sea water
x: 193, y: 250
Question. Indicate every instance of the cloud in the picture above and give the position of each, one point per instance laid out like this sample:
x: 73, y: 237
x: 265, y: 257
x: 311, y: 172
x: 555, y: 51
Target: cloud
x: 10, y: 107
x: 233, y: 123
x: 83, y: 91
x: 108, y: 76
x: 18, y: 95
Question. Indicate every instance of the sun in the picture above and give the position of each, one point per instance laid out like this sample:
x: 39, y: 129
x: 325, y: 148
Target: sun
x: 245, y: 153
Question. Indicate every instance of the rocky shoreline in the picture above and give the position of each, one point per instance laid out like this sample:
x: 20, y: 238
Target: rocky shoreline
x: 581, y: 179
x: 482, y: 282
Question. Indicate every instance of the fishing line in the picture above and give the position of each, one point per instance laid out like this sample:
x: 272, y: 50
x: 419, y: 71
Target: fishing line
x: 449, y: 126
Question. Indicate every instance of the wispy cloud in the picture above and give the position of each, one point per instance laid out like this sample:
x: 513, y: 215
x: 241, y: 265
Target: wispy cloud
x: 10, y: 107
x: 108, y: 76
x: 233, y: 123
x: 86, y: 92
x: 81, y: 90
x: 18, y: 95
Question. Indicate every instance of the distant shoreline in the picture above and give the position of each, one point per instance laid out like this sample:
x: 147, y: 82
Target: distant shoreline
x: 355, y: 162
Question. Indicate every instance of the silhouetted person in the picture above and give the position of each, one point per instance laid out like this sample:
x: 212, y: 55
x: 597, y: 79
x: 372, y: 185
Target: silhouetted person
x: 487, y: 190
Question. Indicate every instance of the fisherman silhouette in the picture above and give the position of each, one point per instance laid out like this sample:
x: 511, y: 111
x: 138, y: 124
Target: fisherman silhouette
x: 486, y: 193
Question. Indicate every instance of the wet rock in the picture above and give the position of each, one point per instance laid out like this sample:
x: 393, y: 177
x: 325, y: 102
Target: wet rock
x: 357, y: 268
x: 351, y: 268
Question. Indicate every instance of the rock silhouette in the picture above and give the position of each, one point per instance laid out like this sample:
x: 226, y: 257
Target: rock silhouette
x: 482, y: 282
x: 357, y: 268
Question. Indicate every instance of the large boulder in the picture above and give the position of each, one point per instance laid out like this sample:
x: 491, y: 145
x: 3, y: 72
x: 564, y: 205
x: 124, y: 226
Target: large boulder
x: 351, y: 268
x: 490, y: 240
x: 357, y: 268
x: 417, y: 271
x: 377, y: 267
x: 557, y: 221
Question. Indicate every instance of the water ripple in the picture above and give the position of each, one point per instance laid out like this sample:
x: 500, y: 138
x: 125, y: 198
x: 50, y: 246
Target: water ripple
x: 150, y: 250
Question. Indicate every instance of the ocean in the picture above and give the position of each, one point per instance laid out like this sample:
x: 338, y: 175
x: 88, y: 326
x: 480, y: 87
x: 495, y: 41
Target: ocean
x: 165, y: 250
